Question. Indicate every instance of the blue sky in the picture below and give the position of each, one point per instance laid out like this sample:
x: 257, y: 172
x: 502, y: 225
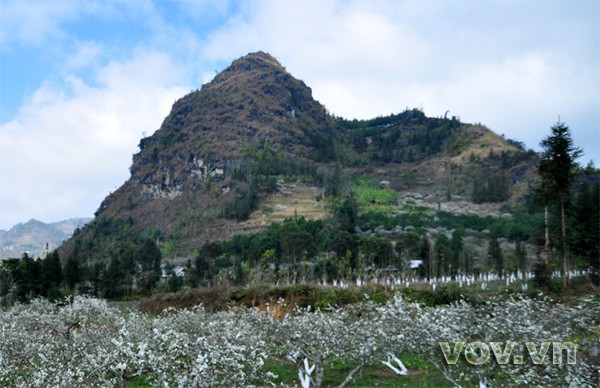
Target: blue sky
x: 82, y: 81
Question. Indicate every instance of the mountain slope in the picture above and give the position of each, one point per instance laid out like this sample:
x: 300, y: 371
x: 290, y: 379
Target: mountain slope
x: 197, y: 163
x: 34, y: 236
x: 225, y: 149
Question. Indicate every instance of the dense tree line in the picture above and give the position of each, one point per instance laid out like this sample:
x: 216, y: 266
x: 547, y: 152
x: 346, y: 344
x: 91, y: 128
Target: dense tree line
x: 408, y: 136
x: 131, y: 270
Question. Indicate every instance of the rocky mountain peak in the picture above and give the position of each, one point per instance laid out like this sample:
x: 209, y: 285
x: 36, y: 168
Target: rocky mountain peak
x: 256, y: 61
x: 253, y: 101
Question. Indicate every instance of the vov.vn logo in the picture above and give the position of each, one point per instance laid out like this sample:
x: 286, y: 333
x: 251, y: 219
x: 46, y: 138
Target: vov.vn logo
x: 479, y: 353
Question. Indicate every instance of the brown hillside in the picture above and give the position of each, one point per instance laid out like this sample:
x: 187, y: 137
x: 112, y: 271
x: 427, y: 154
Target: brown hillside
x: 218, y: 155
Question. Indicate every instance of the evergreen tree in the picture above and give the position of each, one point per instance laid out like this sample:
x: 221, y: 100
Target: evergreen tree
x: 113, y: 279
x: 334, y: 183
x: 96, y: 275
x: 586, y: 225
x: 408, y: 248
x: 71, y: 272
x: 28, y: 279
x: 443, y: 254
x: 126, y: 255
x: 344, y: 245
x: 456, y: 247
x: 204, y: 261
x: 149, y: 257
x: 495, y: 256
x: 346, y: 215
x: 425, y: 255
x: 521, y: 256
x: 557, y: 171
x: 51, y: 274
x: 296, y: 244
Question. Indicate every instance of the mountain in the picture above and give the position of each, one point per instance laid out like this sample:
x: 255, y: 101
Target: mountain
x: 36, y: 237
x: 254, y: 133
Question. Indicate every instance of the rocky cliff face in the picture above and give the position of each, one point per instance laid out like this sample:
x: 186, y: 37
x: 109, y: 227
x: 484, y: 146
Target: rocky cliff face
x: 253, y: 101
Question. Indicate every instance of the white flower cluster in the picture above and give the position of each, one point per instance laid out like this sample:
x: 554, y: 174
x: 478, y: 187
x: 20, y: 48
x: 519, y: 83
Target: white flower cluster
x: 87, y: 343
x: 84, y: 341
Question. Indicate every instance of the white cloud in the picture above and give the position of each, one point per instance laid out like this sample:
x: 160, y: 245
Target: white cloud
x: 71, y: 142
x: 511, y: 65
x: 32, y: 25
x: 498, y: 63
x: 87, y: 54
x: 35, y: 23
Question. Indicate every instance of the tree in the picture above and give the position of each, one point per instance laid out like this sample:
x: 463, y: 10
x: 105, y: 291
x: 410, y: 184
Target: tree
x: 113, y: 279
x: 495, y: 256
x: 425, y: 255
x: 408, y: 248
x: 71, y: 272
x: 149, y: 257
x: 205, y: 261
x: 521, y: 256
x: 557, y: 170
x: 296, y: 245
x: 443, y: 254
x: 344, y: 245
x: 456, y: 247
x: 51, y: 274
x: 586, y: 224
x: 346, y: 215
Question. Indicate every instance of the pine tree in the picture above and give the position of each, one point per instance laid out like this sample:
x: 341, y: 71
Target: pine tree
x: 521, y: 256
x: 557, y: 171
x: 586, y: 225
x: 148, y: 255
x: 495, y: 256
x: 442, y: 254
x: 456, y: 247
x: 346, y: 215
x: 113, y: 279
x: 51, y: 274
x: 71, y: 272
x: 204, y: 262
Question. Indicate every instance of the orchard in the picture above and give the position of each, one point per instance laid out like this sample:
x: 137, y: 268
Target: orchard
x: 83, y: 341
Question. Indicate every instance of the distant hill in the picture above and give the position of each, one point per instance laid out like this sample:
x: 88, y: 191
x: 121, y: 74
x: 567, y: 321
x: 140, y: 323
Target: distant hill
x: 36, y: 237
x: 255, y: 132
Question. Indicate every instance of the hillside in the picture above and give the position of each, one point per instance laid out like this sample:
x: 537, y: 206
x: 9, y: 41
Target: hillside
x: 222, y: 154
x: 36, y: 237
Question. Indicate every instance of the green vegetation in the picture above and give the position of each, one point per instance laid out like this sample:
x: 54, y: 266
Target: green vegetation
x: 368, y: 195
x: 316, y: 250
x: 408, y: 136
x: 373, y: 375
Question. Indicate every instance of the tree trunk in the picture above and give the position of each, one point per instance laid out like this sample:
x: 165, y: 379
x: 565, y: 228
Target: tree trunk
x: 350, y: 375
x: 566, y: 279
x: 546, y: 235
x: 320, y: 371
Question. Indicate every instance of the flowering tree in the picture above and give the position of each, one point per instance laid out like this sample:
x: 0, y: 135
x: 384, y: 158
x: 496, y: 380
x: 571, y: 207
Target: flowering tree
x: 84, y: 341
